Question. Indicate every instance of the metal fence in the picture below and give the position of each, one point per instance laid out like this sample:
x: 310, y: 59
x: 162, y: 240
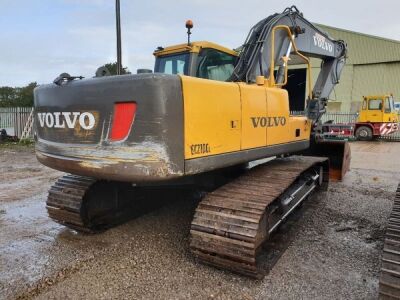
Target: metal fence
x: 336, y: 117
x: 391, y: 137
x: 13, y: 119
x: 340, y: 117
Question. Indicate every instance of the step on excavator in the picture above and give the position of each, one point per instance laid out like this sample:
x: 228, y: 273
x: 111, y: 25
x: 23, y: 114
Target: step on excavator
x: 205, y: 109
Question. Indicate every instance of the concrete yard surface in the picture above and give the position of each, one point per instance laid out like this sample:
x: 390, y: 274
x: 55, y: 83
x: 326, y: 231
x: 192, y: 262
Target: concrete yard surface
x: 330, y: 248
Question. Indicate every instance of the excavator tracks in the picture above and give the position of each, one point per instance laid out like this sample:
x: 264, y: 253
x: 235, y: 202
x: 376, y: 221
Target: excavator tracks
x: 389, y: 282
x: 88, y: 205
x: 231, y: 223
x: 65, y: 201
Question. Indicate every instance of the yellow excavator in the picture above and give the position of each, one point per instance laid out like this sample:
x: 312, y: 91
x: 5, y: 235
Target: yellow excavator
x: 205, y: 109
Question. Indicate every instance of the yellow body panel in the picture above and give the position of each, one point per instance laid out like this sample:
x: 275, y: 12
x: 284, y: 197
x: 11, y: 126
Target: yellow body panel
x: 371, y: 116
x: 278, y: 123
x: 392, y: 117
x: 212, y: 114
x: 254, y: 105
x: 223, y: 117
x: 193, y: 47
x: 303, y: 125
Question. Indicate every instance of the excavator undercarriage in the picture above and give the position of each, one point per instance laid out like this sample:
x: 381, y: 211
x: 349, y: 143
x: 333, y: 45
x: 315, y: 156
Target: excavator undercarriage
x: 89, y: 205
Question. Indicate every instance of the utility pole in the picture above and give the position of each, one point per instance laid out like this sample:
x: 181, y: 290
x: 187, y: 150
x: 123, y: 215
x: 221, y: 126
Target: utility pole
x: 118, y: 24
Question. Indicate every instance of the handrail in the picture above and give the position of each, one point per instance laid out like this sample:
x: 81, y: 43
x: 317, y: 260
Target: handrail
x: 271, y: 78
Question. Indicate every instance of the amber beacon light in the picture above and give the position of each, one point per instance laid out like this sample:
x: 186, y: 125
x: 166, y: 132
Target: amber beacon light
x: 189, y: 25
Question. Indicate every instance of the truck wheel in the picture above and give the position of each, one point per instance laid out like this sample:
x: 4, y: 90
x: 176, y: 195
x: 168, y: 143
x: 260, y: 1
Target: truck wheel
x: 364, y: 133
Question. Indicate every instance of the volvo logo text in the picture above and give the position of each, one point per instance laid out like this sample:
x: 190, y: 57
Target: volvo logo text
x: 321, y: 42
x: 86, y: 120
x: 268, y: 121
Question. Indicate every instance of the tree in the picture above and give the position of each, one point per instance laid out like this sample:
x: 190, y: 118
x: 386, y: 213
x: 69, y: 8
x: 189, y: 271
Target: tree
x: 26, y: 94
x: 18, y: 96
x: 112, y: 67
x: 7, y: 95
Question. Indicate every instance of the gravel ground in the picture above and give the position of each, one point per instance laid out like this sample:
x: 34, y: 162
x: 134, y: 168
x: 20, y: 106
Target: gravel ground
x: 333, y: 243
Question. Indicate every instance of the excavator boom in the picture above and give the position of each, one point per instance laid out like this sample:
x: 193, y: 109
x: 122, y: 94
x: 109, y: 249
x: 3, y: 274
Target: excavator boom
x: 264, y: 49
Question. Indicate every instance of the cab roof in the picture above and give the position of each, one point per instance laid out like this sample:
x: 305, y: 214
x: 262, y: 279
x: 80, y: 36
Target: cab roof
x: 193, y: 47
x: 378, y: 96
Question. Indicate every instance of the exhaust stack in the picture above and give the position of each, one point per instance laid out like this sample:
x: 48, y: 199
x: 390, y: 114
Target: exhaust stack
x: 118, y: 25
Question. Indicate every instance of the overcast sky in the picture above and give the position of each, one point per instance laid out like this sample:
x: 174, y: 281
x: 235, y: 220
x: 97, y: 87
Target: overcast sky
x: 39, y: 39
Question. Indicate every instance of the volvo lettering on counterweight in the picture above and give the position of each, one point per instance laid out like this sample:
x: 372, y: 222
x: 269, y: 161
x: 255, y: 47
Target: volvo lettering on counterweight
x: 86, y: 120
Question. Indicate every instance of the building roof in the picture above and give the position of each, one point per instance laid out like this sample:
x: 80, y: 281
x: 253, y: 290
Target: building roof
x: 364, y: 48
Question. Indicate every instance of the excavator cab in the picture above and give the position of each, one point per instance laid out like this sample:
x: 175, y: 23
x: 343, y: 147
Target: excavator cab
x: 198, y: 59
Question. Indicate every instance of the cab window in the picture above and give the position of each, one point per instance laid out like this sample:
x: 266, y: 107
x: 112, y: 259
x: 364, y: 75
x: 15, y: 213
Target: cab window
x: 364, y: 106
x: 215, y: 65
x: 172, y: 64
x: 391, y: 100
x: 387, y: 105
x: 375, y: 104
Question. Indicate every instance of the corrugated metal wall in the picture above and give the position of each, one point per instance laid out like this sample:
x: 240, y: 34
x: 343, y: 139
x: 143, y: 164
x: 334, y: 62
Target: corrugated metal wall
x: 369, y: 79
x: 392, y: 79
x: 342, y: 91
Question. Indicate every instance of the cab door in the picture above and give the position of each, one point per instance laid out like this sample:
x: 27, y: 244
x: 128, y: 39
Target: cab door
x: 375, y: 110
x: 364, y: 111
x: 389, y: 112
